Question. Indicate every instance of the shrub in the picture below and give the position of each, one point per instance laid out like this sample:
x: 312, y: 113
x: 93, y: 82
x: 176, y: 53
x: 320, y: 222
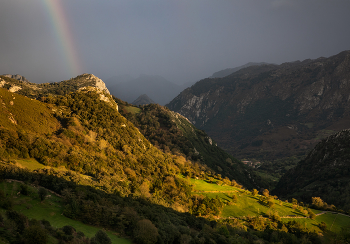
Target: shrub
x: 24, y: 190
x: 145, y: 232
x: 42, y: 193
x: 35, y: 235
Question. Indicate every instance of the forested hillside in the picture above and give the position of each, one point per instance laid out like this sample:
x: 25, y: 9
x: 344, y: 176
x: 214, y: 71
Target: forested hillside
x: 174, y: 134
x: 323, y: 173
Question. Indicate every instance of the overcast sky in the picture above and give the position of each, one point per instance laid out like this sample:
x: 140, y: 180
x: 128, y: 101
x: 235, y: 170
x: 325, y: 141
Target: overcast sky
x: 181, y: 40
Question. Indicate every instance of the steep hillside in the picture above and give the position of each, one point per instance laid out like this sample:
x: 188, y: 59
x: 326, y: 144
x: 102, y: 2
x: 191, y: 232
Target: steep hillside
x: 83, y: 131
x: 271, y: 111
x: 324, y: 173
x: 25, y: 114
x: 174, y: 134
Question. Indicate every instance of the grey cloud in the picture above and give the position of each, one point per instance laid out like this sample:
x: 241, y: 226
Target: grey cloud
x: 182, y: 41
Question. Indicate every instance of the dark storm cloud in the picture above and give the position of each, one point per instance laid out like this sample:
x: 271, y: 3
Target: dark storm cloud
x: 177, y: 39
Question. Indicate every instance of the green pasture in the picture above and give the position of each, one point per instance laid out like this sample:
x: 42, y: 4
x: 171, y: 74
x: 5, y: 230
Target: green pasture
x: 203, y: 186
x: 249, y: 206
x: 334, y: 221
x: 133, y: 110
x: 30, y: 163
x: 50, y: 209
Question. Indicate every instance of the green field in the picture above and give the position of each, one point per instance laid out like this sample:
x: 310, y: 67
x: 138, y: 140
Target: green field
x: 133, y: 110
x: 248, y: 205
x: 50, y: 209
x: 203, y: 186
x: 31, y: 163
x: 334, y: 221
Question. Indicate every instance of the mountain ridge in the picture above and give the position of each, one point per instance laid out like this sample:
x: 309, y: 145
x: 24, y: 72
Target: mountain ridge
x: 228, y: 71
x: 269, y: 110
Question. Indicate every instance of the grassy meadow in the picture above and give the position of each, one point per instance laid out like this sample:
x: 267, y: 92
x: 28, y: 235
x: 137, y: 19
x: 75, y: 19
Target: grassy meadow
x: 50, y: 209
x: 248, y: 205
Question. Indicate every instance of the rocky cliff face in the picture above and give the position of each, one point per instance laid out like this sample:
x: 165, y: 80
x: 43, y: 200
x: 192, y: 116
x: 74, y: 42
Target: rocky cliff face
x: 17, y: 77
x: 81, y: 82
x: 272, y: 110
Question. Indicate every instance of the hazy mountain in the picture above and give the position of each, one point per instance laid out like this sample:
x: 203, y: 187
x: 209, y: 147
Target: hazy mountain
x: 157, y: 87
x: 324, y: 173
x: 271, y: 111
x: 142, y: 100
x: 226, y: 72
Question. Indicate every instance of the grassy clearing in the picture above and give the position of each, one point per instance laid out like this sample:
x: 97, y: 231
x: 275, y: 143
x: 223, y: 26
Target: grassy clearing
x: 31, y: 163
x: 267, y: 176
x: 133, y: 110
x: 203, y: 186
x: 50, y: 209
x: 312, y: 225
x: 334, y: 221
x: 249, y: 205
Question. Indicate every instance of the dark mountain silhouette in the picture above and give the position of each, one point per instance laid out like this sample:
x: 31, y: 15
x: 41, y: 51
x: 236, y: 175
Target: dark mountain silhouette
x: 226, y: 72
x: 142, y: 100
x: 157, y: 87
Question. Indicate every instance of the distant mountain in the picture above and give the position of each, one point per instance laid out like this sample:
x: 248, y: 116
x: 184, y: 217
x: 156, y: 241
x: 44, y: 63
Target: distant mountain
x: 142, y: 100
x: 324, y: 173
x: 157, y: 87
x: 226, y: 72
x: 271, y: 111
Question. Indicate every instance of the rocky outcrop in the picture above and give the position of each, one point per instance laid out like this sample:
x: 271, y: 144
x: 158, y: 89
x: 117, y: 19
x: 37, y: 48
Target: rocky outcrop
x: 287, y: 108
x: 84, y: 82
x: 17, y: 77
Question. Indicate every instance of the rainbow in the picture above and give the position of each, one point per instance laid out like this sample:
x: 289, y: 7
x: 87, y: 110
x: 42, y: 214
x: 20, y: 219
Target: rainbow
x: 64, y: 37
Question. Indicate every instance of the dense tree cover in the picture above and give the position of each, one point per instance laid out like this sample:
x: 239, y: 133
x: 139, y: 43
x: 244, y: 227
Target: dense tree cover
x: 173, y: 133
x: 146, y: 222
x: 97, y: 141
